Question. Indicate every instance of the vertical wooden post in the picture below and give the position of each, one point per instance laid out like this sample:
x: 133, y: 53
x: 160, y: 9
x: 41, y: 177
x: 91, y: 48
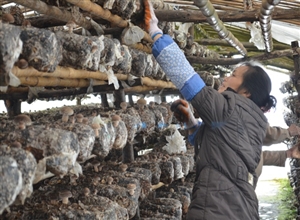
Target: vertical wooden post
x: 157, y: 99
x: 296, y: 57
x: 13, y: 107
x: 163, y: 98
x: 104, y: 101
x: 78, y: 101
x: 128, y: 154
x: 130, y: 100
x: 119, y: 96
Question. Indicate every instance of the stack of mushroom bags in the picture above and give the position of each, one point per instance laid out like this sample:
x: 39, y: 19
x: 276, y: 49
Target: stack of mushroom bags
x: 81, y: 150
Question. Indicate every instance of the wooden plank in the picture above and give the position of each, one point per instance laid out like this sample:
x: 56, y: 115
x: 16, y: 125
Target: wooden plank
x: 228, y: 16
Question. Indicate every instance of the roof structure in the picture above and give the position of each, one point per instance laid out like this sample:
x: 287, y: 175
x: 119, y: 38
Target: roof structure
x: 214, y: 35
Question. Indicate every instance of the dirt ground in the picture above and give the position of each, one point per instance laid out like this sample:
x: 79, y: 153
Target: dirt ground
x: 266, y: 192
x: 268, y: 206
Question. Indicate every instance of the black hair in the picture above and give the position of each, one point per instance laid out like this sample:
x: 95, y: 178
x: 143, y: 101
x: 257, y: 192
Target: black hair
x: 257, y: 82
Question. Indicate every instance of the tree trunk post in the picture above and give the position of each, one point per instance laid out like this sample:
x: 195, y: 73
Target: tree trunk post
x: 13, y: 107
x: 296, y: 58
x: 131, y: 103
x: 128, y: 154
x: 104, y: 101
x: 119, y: 96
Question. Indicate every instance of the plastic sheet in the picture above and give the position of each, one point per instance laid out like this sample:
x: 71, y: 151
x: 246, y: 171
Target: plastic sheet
x: 176, y: 143
x: 256, y: 35
x: 124, y: 66
x: 178, y: 174
x: 108, y: 54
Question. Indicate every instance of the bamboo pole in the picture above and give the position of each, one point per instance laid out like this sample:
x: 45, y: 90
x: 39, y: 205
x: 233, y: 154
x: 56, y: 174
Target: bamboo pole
x: 55, y: 12
x: 57, y: 82
x: 97, y: 10
x: 139, y: 89
x: 142, y: 47
x: 67, y: 73
x: 157, y: 83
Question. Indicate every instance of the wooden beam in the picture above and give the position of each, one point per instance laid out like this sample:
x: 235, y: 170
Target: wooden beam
x: 57, y: 93
x: 249, y: 45
x: 13, y: 107
x: 119, y: 96
x: 228, y: 16
x: 55, y: 12
x: 296, y: 58
x: 214, y: 61
x: 104, y: 101
x: 97, y: 10
x: 234, y: 61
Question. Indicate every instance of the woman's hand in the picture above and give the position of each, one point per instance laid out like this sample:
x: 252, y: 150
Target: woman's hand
x: 183, y: 113
x: 151, y: 20
x: 293, y: 152
x: 294, y: 130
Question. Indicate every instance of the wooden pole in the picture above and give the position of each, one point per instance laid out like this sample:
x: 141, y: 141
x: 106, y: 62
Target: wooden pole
x: 130, y: 99
x: 182, y: 16
x: 78, y: 101
x: 13, y: 107
x: 234, y: 61
x: 22, y: 93
x: 248, y: 45
x: 104, y: 101
x: 97, y: 10
x: 296, y: 58
x: 57, y: 82
x: 55, y: 12
x: 228, y: 16
x: 119, y: 96
x: 67, y: 73
x: 128, y: 154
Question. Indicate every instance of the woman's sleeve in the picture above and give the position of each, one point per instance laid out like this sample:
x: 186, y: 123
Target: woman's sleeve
x: 191, y: 137
x: 274, y: 158
x: 275, y: 135
x: 174, y: 63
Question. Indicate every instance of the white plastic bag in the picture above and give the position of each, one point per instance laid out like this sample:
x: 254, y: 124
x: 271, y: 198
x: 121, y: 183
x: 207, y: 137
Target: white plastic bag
x: 256, y: 35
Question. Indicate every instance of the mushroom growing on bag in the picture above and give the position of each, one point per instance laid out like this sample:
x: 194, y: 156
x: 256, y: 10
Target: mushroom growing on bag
x: 26, y: 164
x: 80, y: 52
x: 10, y: 49
x: 11, y: 181
x: 41, y: 49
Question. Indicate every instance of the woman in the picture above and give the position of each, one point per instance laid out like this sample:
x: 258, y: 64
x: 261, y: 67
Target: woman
x: 228, y: 143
